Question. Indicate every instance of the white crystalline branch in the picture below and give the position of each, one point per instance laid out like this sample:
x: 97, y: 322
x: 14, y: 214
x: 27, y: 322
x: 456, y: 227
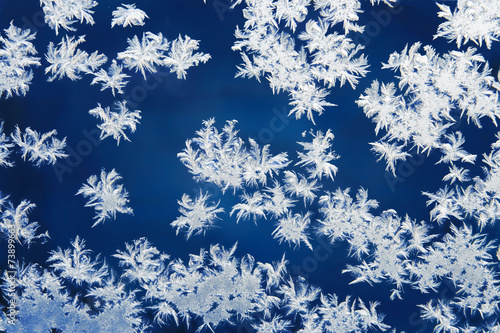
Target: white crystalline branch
x: 198, y: 215
x: 144, y: 54
x: 16, y: 58
x: 5, y: 148
x: 327, y: 57
x: 128, y: 15
x: 435, y: 91
x: 113, y: 79
x: 478, y: 21
x: 41, y: 149
x: 114, y: 123
x: 292, y: 229
x: 478, y: 201
x: 318, y: 155
x: 105, y: 196
x: 15, y: 223
x: 223, y: 158
x: 141, y: 261
x: 68, y: 60
x: 64, y: 13
x: 77, y: 265
x: 155, y: 50
x: 181, y: 57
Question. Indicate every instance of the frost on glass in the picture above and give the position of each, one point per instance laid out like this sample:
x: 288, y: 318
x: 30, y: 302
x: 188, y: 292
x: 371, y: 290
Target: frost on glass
x: 113, y: 79
x: 79, y: 293
x: 155, y: 50
x: 66, y: 59
x: 41, y: 148
x: 326, y: 58
x: 107, y: 197
x: 435, y: 91
x: 128, y: 16
x: 478, y: 21
x: 16, y: 60
x: 64, y: 13
x: 476, y: 199
x: 15, y: 223
x: 197, y: 215
x: 115, y: 123
x: 270, y: 189
x: 5, y: 148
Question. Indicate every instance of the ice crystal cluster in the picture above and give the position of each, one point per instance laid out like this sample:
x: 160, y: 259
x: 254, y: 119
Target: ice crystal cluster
x: 304, y: 48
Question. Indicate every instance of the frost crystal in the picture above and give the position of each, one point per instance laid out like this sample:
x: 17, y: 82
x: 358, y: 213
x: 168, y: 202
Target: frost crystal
x: 463, y: 258
x: 15, y: 61
x: 477, y: 20
x: 478, y: 200
x: 128, y: 15
x: 223, y: 159
x: 106, y: 197
x: 318, y: 156
x: 181, y: 57
x: 67, y: 60
x: 15, y: 223
x: 76, y: 264
x: 292, y: 229
x: 152, y: 50
x: 197, y: 216
x: 113, y: 79
x: 436, y: 91
x: 328, y: 57
x: 5, y: 147
x: 63, y: 13
x: 114, y: 123
x: 39, y: 148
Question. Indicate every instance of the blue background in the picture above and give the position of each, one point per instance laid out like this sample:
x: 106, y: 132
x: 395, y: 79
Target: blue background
x: 172, y: 110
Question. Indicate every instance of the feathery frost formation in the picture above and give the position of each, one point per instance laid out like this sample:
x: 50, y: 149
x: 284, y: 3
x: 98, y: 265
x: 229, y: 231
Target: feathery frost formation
x: 128, y: 15
x: 114, y: 123
x: 435, y: 92
x: 222, y: 158
x: 303, y: 48
x: 68, y: 60
x: 44, y: 148
x: 64, y: 13
x: 16, y: 58
x: 478, y: 21
x: 212, y: 289
x: 155, y: 50
x: 15, y: 224
x: 327, y: 57
x: 106, y: 196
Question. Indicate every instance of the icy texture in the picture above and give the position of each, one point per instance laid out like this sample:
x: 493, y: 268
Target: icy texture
x: 478, y: 21
x: 222, y: 158
x: 64, y: 13
x: 435, y: 92
x: 114, y: 123
x: 213, y: 288
x: 327, y: 58
x: 16, y: 58
x: 67, y: 60
x: 42, y: 149
x: 155, y: 50
x: 113, y: 79
x: 45, y: 302
x: 128, y: 15
x: 478, y: 199
x: 15, y: 224
x: 106, y: 196
x: 5, y: 148
x: 197, y: 215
